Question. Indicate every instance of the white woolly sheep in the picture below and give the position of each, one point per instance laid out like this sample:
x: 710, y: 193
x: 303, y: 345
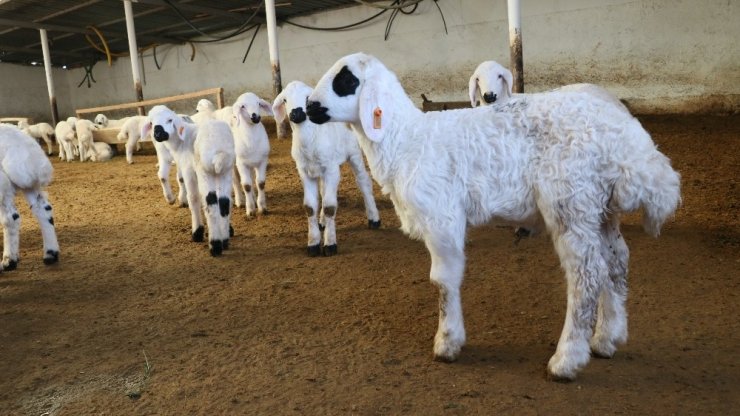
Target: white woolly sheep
x: 252, y: 150
x: 205, y: 156
x: 101, y: 152
x: 573, y: 159
x: 42, y: 131
x: 131, y: 132
x: 66, y: 140
x: 318, y: 152
x: 84, y: 129
x: 205, y: 110
x: 494, y: 83
x: 24, y: 167
x: 102, y: 121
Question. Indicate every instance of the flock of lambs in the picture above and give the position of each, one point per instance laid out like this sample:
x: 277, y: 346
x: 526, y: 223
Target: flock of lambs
x: 568, y: 161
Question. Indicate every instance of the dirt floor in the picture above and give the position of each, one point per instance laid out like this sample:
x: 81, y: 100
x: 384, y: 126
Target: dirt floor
x: 138, y: 320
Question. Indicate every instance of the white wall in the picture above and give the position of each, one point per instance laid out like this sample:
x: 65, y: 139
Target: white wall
x: 659, y: 55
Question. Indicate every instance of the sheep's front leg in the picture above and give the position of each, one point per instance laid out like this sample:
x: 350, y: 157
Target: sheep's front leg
x: 261, y: 175
x: 131, y: 144
x: 163, y: 173
x: 366, y: 187
x: 330, y: 183
x: 311, y: 205
x: 11, y: 222
x: 47, y: 140
x: 448, y: 266
x: 182, y: 192
x: 245, y: 173
x: 238, y: 191
x: 190, y: 180
x: 223, y: 192
x: 42, y: 210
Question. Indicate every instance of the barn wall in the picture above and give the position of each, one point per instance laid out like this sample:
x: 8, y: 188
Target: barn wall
x: 658, y: 55
x: 24, y: 93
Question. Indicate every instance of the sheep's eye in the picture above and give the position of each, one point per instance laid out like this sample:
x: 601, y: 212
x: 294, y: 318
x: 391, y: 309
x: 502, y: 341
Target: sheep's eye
x: 169, y: 121
x: 500, y: 76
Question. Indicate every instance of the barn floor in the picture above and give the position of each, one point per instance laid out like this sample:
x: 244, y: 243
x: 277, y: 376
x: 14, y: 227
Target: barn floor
x: 267, y: 330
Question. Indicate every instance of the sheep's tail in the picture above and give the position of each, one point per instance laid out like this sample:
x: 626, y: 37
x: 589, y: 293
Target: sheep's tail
x: 222, y: 163
x: 650, y: 182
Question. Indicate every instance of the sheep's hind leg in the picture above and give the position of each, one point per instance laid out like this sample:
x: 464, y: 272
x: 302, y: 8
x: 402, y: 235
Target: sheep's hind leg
x: 238, y: 191
x: 311, y: 205
x: 207, y: 186
x: 246, y: 179
x: 223, y: 192
x: 330, y: 183
x: 366, y: 187
x: 42, y: 210
x: 11, y: 222
x: 448, y: 265
x: 260, y: 173
x: 611, y: 321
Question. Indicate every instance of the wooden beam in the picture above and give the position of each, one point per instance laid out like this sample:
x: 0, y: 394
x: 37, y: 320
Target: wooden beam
x: 163, y: 100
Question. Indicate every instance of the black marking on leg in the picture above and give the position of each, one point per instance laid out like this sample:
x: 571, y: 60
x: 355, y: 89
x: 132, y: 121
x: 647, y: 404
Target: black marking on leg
x: 211, y: 198
x: 373, y: 225
x: 48, y: 207
x: 330, y: 250
x: 216, y: 248
x: 231, y: 231
x: 224, y: 203
x: 309, y: 211
x: 163, y: 180
x: 314, y: 251
x: 181, y: 180
x: 225, y: 244
x: 247, y: 188
x: 198, y: 234
x: 322, y: 227
x: 51, y: 257
x: 16, y: 216
x: 261, y: 185
x: 12, y: 265
x: 51, y: 220
x: 330, y: 211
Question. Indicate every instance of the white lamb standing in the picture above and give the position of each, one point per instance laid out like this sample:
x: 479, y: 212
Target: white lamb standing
x: 493, y: 82
x: 318, y: 152
x: 84, y: 130
x: 42, y: 131
x: 102, y: 121
x: 252, y: 150
x: 66, y: 140
x: 571, y: 158
x: 24, y: 167
x: 205, y: 156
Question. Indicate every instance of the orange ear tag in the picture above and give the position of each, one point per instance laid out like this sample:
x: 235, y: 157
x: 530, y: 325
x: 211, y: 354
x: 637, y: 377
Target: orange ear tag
x: 377, y: 114
x: 181, y: 130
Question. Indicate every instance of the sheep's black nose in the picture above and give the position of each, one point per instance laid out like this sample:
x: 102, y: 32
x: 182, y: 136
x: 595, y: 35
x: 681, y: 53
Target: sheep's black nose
x: 255, y: 118
x: 297, y: 115
x: 317, y: 113
x: 159, y: 134
x: 489, y: 97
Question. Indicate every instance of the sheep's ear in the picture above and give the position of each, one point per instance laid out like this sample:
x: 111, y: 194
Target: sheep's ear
x: 179, y: 124
x: 278, y: 108
x: 146, y: 128
x: 474, y: 90
x: 236, y: 114
x: 265, y: 106
x: 375, y: 110
x: 508, y: 81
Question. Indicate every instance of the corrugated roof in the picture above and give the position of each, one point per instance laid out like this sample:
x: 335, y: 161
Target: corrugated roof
x: 70, y: 23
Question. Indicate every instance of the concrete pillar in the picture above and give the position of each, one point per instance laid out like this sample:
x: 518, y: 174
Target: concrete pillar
x: 282, y: 128
x: 515, y: 44
x: 49, y: 79
x: 133, y: 52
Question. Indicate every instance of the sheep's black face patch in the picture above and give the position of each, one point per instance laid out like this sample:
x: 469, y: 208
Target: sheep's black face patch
x: 159, y: 134
x: 345, y: 83
x: 317, y: 113
x: 297, y: 115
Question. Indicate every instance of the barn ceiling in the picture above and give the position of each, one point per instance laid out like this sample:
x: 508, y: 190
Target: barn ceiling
x: 79, y: 30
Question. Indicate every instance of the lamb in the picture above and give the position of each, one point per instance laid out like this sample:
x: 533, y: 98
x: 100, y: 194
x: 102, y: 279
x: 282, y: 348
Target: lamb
x: 318, y: 152
x: 131, y: 133
x: 205, y: 110
x: 66, y: 139
x: 102, y: 121
x: 494, y: 82
x: 101, y: 152
x: 252, y: 150
x: 571, y: 158
x: 205, y: 156
x: 84, y: 130
x: 42, y: 131
x: 24, y: 167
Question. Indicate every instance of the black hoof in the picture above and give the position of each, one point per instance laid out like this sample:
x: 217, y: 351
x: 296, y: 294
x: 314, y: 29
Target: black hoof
x: 373, y: 225
x: 51, y: 257
x: 522, y: 232
x: 322, y: 227
x: 12, y: 265
x: 264, y: 212
x: 216, y: 248
x: 198, y: 234
x: 231, y: 231
x: 330, y: 250
x: 183, y: 204
x: 225, y: 244
x: 314, y: 251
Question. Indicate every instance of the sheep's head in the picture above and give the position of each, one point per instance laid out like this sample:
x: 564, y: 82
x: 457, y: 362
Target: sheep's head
x: 492, y: 81
x: 101, y: 120
x: 23, y: 124
x: 204, y: 106
x: 250, y: 107
x: 291, y: 103
x: 163, y: 123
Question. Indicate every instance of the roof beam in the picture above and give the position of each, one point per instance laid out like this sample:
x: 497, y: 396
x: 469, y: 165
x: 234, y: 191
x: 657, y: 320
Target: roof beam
x: 195, y: 8
x: 31, y: 51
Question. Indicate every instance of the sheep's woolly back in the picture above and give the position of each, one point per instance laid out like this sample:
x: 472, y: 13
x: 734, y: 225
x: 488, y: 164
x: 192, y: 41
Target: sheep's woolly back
x: 132, y: 128
x: 23, y: 160
x: 214, y: 147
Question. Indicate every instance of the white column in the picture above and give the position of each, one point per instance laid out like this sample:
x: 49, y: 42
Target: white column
x: 49, y: 78
x: 133, y: 51
x: 277, y: 87
x: 515, y: 44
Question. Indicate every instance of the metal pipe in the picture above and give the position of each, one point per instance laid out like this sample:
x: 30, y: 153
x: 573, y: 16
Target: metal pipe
x: 277, y: 87
x: 133, y: 52
x: 515, y: 44
x: 49, y: 78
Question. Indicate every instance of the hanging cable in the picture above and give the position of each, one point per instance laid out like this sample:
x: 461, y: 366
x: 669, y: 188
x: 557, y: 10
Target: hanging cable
x: 329, y: 29
x: 251, y: 42
x: 441, y: 14
x: 241, y: 29
x: 392, y: 6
